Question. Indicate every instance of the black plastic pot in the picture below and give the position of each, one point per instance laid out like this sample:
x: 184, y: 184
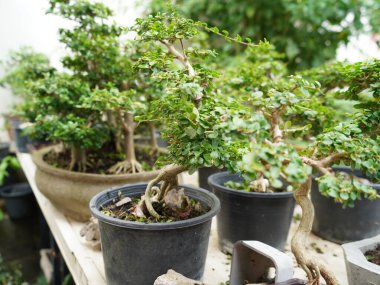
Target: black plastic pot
x: 21, y: 140
x: 339, y: 225
x: 19, y: 200
x: 264, y: 217
x: 137, y: 253
x: 203, y: 175
x: 4, y: 150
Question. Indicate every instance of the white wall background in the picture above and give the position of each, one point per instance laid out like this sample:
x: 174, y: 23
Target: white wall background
x: 24, y: 22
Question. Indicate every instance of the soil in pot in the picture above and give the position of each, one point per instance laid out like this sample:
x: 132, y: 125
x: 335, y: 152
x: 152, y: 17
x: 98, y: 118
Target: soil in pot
x: 177, y: 207
x: 373, y: 255
x: 19, y: 200
x: 341, y: 225
x: 265, y: 217
x: 139, y: 252
x: 100, y: 161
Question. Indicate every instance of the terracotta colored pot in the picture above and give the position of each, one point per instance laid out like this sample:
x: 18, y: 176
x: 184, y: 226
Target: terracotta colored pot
x: 71, y: 191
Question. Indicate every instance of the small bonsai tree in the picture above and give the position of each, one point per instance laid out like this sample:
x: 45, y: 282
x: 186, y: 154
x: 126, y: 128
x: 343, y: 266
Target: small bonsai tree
x: 57, y: 99
x: 354, y: 142
x: 23, y: 67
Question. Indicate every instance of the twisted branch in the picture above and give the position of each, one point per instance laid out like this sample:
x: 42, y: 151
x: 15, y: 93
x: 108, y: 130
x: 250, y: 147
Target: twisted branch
x: 313, y: 268
x: 168, y: 177
x: 180, y: 57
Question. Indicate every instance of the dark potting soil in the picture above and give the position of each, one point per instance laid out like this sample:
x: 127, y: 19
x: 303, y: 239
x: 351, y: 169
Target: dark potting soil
x: 373, y: 255
x: 100, y: 161
x: 128, y: 208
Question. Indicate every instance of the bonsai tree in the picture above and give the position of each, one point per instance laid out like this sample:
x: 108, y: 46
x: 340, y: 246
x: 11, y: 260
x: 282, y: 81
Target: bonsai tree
x: 57, y: 99
x: 355, y: 142
x: 98, y: 59
x: 192, y: 110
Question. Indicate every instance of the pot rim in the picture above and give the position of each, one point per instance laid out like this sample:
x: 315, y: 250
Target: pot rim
x: 215, y: 208
x: 211, y: 181
x: 37, y: 157
x: 25, y: 185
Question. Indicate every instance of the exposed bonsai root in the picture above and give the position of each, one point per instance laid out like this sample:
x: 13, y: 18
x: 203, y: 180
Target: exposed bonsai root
x: 260, y: 185
x: 78, y: 160
x: 80, y: 166
x: 314, y: 270
x: 153, y: 193
x: 126, y: 166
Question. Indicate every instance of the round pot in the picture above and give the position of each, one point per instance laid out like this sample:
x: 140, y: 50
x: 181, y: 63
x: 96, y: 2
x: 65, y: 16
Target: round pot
x: 71, y: 191
x: 339, y: 225
x: 264, y: 217
x: 21, y: 140
x: 137, y: 253
x: 204, y: 173
x: 19, y: 200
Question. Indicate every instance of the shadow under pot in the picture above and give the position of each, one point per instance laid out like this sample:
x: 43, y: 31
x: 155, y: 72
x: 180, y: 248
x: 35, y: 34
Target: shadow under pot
x: 137, y: 253
x: 19, y: 200
x: 341, y: 225
x: 264, y: 217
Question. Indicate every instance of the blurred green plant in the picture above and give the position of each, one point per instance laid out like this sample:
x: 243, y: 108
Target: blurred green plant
x: 307, y: 32
x: 23, y: 66
x: 8, y: 162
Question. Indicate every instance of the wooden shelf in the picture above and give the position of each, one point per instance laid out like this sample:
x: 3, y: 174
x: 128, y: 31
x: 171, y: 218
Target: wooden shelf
x: 86, y: 264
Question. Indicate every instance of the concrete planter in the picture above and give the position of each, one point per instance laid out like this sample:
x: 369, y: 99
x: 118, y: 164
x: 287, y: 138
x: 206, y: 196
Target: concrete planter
x: 71, y: 191
x: 359, y: 270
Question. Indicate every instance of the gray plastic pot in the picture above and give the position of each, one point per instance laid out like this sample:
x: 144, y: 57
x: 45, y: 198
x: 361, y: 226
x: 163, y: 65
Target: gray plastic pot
x: 4, y: 150
x: 264, y: 217
x: 203, y: 174
x: 19, y: 200
x: 137, y: 253
x: 21, y: 140
x: 339, y: 225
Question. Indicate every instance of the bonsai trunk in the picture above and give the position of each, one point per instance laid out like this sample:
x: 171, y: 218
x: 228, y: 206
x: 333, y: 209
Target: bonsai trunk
x: 130, y: 164
x: 78, y: 159
x: 310, y: 265
x: 117, y: 135
x: 129, y: 141
x: 153, y: 139
x: 153, y: 193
